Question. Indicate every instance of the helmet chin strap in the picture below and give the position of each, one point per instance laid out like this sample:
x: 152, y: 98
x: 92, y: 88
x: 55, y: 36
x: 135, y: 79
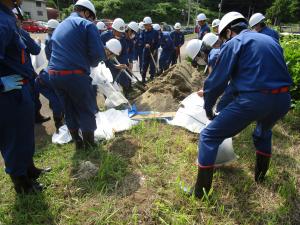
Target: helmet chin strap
x: 20, y: 16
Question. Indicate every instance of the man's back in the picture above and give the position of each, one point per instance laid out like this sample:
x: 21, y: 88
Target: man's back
x: 270, y: 32
x: 255, y: 62
x: 76, y: 45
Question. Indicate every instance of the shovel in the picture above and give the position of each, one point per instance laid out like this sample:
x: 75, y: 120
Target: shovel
x: 155, y: 64
x: 178, y: 54
x: 139, y: 85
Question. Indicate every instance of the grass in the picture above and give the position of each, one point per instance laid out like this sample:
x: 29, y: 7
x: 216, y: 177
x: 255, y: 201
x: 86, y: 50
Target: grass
x: 139, y: 178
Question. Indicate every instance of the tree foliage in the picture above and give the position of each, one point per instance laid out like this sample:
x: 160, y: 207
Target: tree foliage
x: 176, y: 10
x: 284, y: 11
x: 136, y: 10
x: 291, y: 46
x: 51, y: 4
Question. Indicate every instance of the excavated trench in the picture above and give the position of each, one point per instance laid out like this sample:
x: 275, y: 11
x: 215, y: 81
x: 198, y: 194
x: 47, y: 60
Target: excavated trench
x: 166, y: 91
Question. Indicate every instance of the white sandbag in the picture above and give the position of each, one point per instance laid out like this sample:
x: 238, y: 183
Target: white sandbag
x: 106, y: 72
x: 40, y: 59
x: 114, y: 97
x: 111, y: 121
x: 117, y: 87
x: 63, y: 136
x: 191, y: 115
x: 119, y: 119
x: 225, y: 153
x: 104, y: 129
x: 108, y: 122
x: 101, y: 73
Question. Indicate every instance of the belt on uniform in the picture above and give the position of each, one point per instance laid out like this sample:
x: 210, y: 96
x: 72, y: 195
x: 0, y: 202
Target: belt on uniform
x: 25, y: 81
x: 65, y: 72
x: 276, y: 91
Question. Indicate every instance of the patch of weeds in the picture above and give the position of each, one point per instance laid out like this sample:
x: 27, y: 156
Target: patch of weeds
x: 165, y: 213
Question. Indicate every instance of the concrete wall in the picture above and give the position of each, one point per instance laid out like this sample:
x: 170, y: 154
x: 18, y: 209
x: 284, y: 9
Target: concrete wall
x: 36, y: 9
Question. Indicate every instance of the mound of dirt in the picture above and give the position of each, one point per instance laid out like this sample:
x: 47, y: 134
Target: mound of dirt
x: 166, y: 91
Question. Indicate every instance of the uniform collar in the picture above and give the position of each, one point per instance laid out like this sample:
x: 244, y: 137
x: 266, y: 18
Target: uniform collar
x: 244, y: 31
x: 6, y: 10
x: 264, y: 28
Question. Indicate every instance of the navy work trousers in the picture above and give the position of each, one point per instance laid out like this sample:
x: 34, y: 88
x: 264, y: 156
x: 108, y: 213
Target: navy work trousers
x: 44, y: 86
x: 79, y: 100
x: 17, y: 130
x: 265, y: 109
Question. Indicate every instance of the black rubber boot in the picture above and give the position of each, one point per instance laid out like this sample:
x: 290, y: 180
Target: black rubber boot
x: 88, y: 140
x: 41, y: 119
x: 261, y: 167
x: 144, y: 79
x: 58, y: 122
x: 34, y: 173
x: 204, y: 181
x: 24, y: 185
x: 77, y: 140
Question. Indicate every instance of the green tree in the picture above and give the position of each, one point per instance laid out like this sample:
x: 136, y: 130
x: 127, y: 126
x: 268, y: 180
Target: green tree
x: 51, y: 4
x: 283, y: 11
x: 294, y: 9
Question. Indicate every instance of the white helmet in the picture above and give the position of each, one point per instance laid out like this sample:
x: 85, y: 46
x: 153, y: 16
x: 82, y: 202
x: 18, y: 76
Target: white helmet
x: 193, y: 48
x: 215, y: 22
x: 52, y: 24
x: 210, y: 39
x: 141, y: 26
x: 114, y: 46
x: 177, y: 26
x: 119, y: 25
x: 134, y: 26
x: 255, y: 19
x: 147, y: 20
x: 156, y: 26
x: 201, y: 17
x: 87, y: 4
x: 101, y: 26
x: 228, y: 18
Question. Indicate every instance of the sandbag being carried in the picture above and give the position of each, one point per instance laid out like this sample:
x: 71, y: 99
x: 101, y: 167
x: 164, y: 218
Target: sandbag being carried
x: 191, y: 115
x: 40, y: 59
x: 102, y: 77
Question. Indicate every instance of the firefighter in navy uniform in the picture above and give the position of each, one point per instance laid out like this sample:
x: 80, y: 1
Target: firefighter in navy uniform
x: 16, y: 106
x: 254, y: 64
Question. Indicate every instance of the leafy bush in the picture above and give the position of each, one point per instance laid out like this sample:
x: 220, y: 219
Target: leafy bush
x: 291, y: 46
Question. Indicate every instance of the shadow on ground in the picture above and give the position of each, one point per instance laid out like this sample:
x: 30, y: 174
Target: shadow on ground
x: 32, y: 208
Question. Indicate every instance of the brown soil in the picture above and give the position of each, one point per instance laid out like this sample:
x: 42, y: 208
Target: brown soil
x: 166, y: 91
